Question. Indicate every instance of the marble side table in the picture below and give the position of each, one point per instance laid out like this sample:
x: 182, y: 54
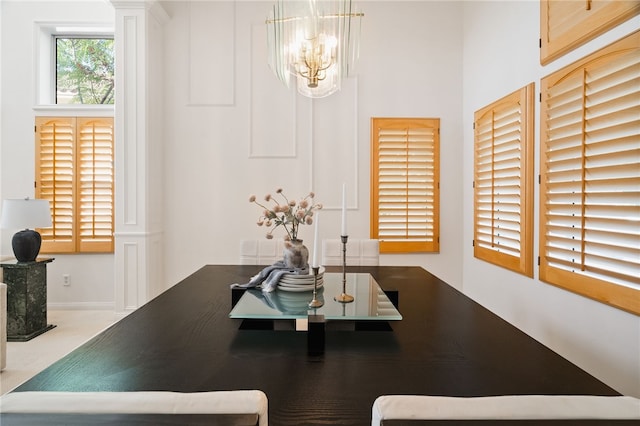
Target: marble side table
x: 26, y: 298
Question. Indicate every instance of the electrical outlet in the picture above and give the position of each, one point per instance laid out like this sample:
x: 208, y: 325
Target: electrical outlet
x: 66, y: 279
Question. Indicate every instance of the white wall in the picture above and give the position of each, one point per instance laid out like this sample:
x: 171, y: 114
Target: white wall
x: 410, y: 66
x: 2, y: 234
x: 91, y: 275
x: 500, y: 56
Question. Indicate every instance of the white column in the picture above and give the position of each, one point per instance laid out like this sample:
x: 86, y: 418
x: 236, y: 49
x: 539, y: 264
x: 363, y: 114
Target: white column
x: 138, y: 147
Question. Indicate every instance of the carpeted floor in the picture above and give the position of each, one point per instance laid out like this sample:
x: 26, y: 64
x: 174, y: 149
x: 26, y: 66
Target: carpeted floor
x: 73, y: 327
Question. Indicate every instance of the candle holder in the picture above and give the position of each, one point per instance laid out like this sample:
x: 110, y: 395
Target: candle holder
x: 315, y: 303
x: 344, y: 297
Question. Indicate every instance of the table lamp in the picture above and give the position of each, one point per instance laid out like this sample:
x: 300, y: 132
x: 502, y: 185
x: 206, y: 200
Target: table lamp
x: 24, y: 214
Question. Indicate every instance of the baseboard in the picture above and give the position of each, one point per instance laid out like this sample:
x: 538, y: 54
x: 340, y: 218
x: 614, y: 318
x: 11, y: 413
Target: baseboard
x: 82, y: 306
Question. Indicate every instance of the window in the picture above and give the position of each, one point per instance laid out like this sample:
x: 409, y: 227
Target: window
x: 73, y: 59
x: 74, y: 171
x: 565, y: 25
x: 84, y: 70
x: 405, y: 184
x: 590, y: 176
x: 503, y: 182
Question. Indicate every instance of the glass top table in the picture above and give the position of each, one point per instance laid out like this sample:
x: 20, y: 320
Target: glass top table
x: 370, y: 301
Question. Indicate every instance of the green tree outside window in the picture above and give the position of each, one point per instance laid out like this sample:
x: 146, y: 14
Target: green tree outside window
x: 84, y: 71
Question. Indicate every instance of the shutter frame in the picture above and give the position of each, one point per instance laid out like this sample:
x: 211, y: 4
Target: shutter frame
x: 95, y: 194
x: 503, y: 181
x: 566, y: 25
x: 62, y: 179
x: 589, y: 238
x: 405, y: 184
x: 55, y: 165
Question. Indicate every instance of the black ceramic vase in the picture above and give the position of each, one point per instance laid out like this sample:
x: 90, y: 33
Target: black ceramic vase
x: 26, y: 245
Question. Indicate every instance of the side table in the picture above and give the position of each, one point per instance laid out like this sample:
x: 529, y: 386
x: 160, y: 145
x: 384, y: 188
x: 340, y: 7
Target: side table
x: 26, y: 298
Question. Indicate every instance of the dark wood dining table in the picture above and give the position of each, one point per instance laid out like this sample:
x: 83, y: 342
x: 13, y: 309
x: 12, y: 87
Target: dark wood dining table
x: 446, y: 344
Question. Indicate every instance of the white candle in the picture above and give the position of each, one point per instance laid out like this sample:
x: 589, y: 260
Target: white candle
x: 344, y: 209
x: 316, y: 239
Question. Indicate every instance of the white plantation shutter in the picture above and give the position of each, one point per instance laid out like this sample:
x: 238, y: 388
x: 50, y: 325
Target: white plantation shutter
x: 590, y: 183
x: 74, y: 171
x: 405, y: 184
x: 503, y: 182
x: 567, y: 24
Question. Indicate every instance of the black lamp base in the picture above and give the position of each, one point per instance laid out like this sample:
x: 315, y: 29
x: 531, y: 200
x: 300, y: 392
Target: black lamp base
x: 26, y: 245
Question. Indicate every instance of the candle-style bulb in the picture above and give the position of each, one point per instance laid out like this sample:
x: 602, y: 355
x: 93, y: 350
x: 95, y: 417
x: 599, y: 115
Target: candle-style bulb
x: 344, y: 209
x: 316, y: 243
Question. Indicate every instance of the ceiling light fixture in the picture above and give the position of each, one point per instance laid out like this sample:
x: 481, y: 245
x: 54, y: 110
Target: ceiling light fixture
x: 315, y: 41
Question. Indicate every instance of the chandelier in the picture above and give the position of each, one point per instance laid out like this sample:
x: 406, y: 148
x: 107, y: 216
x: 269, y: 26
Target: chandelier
x: 314, y: 41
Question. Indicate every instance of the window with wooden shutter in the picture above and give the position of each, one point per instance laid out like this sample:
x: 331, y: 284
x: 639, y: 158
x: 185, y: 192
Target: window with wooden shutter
x: 74, y: 171
x: 567, y: 24
x: 405, y: 184
x: 590, y: 176
x: 503, y: 182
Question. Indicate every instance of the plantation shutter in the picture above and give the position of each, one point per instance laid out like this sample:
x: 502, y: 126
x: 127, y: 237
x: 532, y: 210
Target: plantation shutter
x: 503, y: 182
x: 590, y: 186
x: 55, y: 164
x: 567, y: 24
x: 74, y: 171
x: 405, y: 184
x: 95, y: 185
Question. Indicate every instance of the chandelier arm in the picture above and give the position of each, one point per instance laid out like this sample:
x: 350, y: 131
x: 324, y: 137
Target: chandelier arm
x: 320, y: 68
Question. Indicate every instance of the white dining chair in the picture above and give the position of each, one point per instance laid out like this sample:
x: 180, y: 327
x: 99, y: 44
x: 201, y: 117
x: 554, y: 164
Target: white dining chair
x: 507, y: 407
x: 360, y: 252
x: 143, y: 402
x: 261, y: 252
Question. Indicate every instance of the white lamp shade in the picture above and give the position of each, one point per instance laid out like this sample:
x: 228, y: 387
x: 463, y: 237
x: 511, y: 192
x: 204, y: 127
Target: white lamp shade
x: 25, y: 214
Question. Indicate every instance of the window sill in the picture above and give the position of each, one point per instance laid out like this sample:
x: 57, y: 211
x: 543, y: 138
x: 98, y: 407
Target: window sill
x: 76, y: 110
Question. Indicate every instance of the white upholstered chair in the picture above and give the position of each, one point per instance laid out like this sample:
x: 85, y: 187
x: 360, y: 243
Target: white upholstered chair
x: 513, y: 407
x: 3, y: 326
x: 360, y: 252
x: 261, y: 252
x: 144, y: 402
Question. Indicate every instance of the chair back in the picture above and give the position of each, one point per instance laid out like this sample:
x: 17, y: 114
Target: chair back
x: 360, y: 252
x: 261, y: 252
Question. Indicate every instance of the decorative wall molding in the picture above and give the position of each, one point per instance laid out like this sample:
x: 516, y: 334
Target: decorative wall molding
x: 138, y: 238
x: 131, y: 296
x: 129, y: 126
x: 154, y: 7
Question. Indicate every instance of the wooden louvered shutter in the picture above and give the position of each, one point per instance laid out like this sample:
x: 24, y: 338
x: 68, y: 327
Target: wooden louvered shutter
x: 74, y: 171
x: 405, y: 184
x: 567, y: 24
x: 503, y: 182
x: 55, y: 165
x: 590, y: 176
x: 95, y: 185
